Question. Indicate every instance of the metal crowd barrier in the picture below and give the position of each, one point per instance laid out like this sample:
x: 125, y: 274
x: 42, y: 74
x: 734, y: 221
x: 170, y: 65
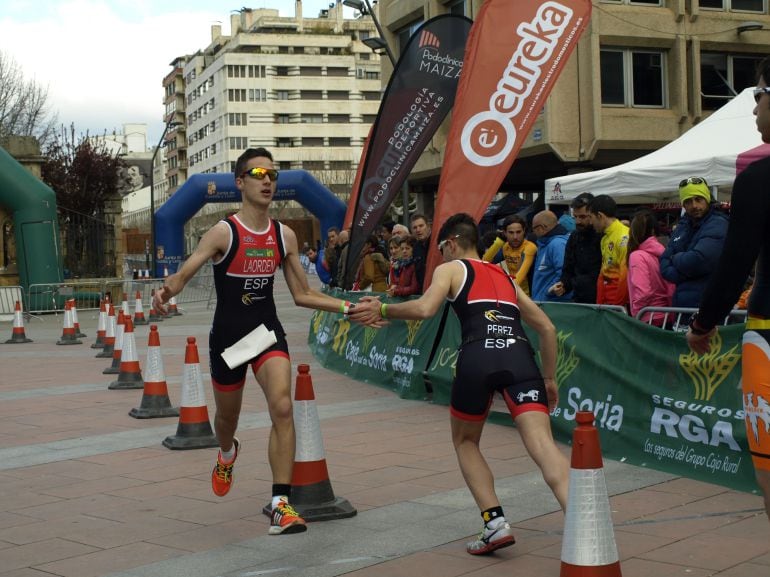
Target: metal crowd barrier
x: 8, y: 297
x: 51, y: 297
x: 677, y: 318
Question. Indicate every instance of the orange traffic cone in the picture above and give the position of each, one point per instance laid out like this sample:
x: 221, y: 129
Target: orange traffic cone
x: 155, y: 401
x: 311, y: 491
x: 139, y: 310
x: 194, y: 430
x: 124, y: 305
x: 173, y: 309
x: 17, y: 333
x: 68, y: 330
x: 130, y: 376
x: 75, y: 323
x: 154, y: 313
x: 109, y: 333
x: 588, y: 547
x: 117, y: 347
x: 101, y: 326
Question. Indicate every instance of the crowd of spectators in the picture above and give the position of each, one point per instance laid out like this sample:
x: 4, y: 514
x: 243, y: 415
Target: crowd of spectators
x: 587, y: 255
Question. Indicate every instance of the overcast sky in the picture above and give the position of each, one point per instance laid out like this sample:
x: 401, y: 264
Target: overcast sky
x: 104, y: 61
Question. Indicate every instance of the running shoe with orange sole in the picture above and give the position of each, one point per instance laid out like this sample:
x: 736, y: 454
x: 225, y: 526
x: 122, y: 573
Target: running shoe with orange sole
x: 222, y: 475
x: 285, y: 520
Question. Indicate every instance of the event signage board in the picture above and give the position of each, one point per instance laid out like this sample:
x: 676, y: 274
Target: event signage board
x: 657, y: 404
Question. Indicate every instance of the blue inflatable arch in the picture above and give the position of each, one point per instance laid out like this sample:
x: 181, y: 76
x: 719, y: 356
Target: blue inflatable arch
x: 201, y: 189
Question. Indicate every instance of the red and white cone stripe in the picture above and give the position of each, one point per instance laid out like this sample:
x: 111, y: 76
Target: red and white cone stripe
x: 155, y: 402
x: 194, y: 429
x: 101, y: 326
x: 17, y: 333
x: 588, y: 546
x: 68, y: 330
x: 130, y: 375
x: 139, y: 310
x: 310, y: 460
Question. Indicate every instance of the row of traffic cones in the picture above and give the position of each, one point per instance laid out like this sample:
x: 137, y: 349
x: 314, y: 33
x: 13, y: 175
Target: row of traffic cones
x: 588, y: 546
x: 71, y: 332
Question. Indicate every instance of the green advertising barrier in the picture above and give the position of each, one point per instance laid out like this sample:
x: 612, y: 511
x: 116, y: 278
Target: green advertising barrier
x: 657, y: 404
x: 393, y: 357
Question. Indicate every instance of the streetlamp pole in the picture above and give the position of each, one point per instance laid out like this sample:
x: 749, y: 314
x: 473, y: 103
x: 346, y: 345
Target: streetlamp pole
x: 154, y: 257
x: 381, y: 33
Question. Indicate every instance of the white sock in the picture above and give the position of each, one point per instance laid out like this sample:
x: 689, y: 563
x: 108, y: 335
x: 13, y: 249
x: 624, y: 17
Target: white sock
x: 277, y: 499
x: 496, y: 523
x: 227, y: 456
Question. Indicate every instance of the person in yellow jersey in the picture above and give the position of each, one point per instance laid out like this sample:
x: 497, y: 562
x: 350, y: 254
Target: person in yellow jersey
x: 611, y: 285
x: 518, y: 253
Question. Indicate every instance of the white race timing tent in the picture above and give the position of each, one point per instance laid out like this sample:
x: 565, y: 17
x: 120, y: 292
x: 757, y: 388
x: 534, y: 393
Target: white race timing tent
x: 715, y: 149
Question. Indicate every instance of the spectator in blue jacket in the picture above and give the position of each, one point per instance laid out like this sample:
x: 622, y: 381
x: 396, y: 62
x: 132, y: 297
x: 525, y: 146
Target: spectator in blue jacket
x: 696, y: 243
x: 551, y: 241
x: 317, y: 259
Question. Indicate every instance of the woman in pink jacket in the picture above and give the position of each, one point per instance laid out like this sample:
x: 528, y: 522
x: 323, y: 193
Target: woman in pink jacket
x: 646, y: 286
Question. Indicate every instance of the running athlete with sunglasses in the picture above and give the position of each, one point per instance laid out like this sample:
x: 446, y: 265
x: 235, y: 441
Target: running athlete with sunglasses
x: 747, y: 242
x: 495, y: 357
x: 246, y: 250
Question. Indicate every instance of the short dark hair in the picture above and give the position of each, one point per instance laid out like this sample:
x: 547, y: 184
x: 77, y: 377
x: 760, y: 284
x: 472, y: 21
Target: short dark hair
x: 462, y: 228
x: 418, y: 216
x: 333, y: 229
x: 248, y: 154
x: 514, y: 219
x: 408, y: 239
x: 581, y: 200
x: 763, y: 70
x: 605, y: 204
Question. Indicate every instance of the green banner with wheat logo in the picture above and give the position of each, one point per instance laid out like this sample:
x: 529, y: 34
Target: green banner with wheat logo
x: 656, y: 404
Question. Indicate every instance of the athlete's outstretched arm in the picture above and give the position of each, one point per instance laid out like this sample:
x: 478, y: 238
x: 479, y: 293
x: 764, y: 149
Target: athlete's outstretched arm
x: 303, y: 295
x: 368, y: 310
x: 213, y: 244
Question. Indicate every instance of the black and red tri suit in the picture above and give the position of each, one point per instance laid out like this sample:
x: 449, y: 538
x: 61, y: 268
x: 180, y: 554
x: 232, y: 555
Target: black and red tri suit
x: 495, y: 354
x: 244, y: 279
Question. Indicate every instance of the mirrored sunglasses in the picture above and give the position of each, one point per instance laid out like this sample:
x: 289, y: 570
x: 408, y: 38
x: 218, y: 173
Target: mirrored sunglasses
x: 693, y: 180
x: 260, y: 173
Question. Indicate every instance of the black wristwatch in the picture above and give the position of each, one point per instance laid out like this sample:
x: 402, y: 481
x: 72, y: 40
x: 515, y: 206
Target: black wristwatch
x: 696, y: 330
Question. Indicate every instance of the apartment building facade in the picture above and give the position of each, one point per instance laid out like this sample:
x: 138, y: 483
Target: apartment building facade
x: 644, y: 72
x: 308, y: 89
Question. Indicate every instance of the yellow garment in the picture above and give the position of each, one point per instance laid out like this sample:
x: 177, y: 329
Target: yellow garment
x: 494, y: 248
x: 612, y: 286
x: 519, y: 261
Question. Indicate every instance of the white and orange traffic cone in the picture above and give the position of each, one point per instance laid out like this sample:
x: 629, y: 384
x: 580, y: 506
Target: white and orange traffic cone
x: 173, y: 309
x: 124, y: 305
x: 130, y: 375
x: 311, y: 491
x: 588, y: 547
x: 155, y: 316
x: 194, y: 429
x: 75, y: 323
x: 17, y: 333
x: 68, y: 330
x: 109, y: 333
x: 139, y: 310
x: 117, y: 347
x: 101, y: 326
x: 155, y: 401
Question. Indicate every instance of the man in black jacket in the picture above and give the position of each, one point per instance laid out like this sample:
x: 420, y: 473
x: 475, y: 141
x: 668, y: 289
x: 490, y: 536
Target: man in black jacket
x: 421, y: 232
x: 582, y: 255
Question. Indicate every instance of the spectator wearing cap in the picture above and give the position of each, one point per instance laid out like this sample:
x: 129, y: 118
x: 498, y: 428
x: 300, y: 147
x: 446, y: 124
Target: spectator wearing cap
x: 695, y: 245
